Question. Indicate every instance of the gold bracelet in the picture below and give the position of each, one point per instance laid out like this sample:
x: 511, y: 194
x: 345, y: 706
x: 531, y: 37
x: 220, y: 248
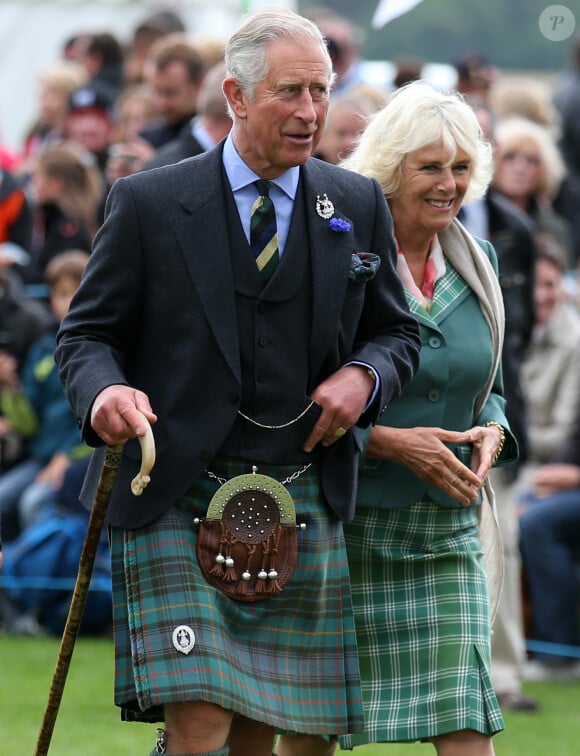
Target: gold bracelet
x: 501, y: 439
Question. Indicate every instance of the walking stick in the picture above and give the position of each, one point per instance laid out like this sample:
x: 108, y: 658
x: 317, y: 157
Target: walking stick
x: 86, y: 563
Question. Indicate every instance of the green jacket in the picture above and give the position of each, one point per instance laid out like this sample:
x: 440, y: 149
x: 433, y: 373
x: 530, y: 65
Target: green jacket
x: 455, y: 363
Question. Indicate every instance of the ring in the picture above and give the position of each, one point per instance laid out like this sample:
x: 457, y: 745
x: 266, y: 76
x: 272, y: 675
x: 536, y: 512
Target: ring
x: 339, y: 432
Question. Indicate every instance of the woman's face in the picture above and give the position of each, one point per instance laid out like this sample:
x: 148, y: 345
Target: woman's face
x: 432, y: 189
x: 53, y: 105
x: 46, y: 188
x: 547, y: 289
x: 518, y: 171
x: 61, y: 294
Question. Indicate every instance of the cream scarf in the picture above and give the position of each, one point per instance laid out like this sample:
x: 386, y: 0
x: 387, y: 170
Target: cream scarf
x: 473, y: 265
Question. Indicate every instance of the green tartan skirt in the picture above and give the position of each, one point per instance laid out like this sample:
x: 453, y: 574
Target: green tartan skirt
x: 289, y: 660
x: 422, y: 619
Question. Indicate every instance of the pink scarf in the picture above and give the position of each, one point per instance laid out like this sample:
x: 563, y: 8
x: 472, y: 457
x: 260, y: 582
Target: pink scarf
x: 434, y: 269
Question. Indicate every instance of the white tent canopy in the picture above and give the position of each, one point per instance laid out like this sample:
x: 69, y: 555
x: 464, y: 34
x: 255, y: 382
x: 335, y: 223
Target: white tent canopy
x: 32, y: 33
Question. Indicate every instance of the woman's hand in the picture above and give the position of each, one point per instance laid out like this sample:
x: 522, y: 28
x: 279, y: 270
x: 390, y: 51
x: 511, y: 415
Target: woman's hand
x: 424, y: 452
x: 487, y: 441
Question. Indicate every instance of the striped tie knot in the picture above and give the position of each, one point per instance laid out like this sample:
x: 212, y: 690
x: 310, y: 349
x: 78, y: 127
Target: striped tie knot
x: 263, y: 232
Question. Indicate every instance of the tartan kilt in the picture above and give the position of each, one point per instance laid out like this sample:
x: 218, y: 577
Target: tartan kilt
x: 422, y: 618
x: 289, y: 660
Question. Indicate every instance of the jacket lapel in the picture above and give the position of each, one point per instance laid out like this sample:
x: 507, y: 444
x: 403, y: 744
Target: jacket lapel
x: 203, y: 239
x: 331, y: 253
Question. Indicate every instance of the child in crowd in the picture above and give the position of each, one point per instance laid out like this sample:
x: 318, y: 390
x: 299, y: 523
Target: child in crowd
x: 34, y: 405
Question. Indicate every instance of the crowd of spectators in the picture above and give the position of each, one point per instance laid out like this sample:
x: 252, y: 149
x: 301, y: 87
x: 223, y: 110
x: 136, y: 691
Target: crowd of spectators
x: 110, y: 107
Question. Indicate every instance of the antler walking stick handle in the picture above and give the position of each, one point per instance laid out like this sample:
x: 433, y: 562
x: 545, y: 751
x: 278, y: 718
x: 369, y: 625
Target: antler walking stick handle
x: 86, y: 563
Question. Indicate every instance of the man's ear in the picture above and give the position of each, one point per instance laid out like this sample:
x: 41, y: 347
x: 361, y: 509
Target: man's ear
x: 235, y: 96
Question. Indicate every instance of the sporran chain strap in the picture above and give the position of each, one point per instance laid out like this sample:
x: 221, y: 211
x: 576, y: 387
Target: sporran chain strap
x: 284, y: 482
x: 277, y: 427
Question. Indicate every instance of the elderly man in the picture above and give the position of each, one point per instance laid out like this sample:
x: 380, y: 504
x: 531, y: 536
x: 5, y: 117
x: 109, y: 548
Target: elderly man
x: 245, y: 302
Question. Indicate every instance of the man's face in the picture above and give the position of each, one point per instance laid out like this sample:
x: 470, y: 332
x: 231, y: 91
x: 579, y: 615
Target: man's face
x: 175, y: 95
x: 90, y: 128
x: 282, y: 125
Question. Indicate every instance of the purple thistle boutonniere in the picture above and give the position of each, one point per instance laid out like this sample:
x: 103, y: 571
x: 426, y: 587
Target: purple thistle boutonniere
x: 339, y: 225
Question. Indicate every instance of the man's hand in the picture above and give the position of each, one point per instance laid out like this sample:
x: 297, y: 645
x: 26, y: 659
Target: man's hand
x: 343, y: 397
x: 117, y: 414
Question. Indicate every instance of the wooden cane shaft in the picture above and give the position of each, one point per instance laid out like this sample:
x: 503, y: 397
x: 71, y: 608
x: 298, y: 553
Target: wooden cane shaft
x: 79, y: 597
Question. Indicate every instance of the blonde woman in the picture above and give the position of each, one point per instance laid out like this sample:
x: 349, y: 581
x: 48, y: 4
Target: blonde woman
x: 66, y: 189
x: 529, y: 171
x: 422, y: 598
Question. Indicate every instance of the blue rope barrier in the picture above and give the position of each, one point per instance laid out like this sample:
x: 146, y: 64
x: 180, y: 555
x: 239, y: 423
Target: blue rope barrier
x: 556, y: 649
x: 51, y: 584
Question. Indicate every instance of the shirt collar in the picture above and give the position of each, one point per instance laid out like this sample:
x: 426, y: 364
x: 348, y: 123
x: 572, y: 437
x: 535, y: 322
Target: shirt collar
x: 241, y: 175
x: 199, y: 132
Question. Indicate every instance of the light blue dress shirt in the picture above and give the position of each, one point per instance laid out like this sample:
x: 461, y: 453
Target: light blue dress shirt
x: 282, y: 193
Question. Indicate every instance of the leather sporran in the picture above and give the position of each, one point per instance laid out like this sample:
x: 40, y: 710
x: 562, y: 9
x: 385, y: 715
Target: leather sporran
x: 247, y: 543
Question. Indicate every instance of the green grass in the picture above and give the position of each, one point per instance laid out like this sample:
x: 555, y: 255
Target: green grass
x: 88, y: 722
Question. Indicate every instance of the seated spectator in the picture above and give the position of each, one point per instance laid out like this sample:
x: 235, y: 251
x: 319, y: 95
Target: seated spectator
x: 10, y: 160
x: 567, y: 101
x: 475, y: 75
x: 66, y: 188
x: 49, y: 550
x: 103, y: 60
x: 552, y: 364
x: 529, y: 171
x: 129, y: 152
x: 174, y: 70
x: 206, y: 129
x: 56, y: 83
x: 35, y: 406
x: 550, y: 544
x: 146, y: 32
x: 22, y: 321
x: 348, y: 114
x: 524, y: 97
x: 90, y: 123
x: 344, y: 40
x: 134, y: 111
x: 407, y: 69
x: 73, y: 47
x: 15, y: 218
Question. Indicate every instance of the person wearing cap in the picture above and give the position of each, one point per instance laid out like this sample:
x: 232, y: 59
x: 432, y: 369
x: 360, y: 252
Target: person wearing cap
x: 90, y: 122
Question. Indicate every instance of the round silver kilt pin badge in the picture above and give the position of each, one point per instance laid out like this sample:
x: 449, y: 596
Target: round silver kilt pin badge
x: 247, y: 542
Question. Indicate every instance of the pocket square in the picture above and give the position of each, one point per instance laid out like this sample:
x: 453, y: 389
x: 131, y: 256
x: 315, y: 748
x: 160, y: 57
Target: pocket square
x: 363, y: 266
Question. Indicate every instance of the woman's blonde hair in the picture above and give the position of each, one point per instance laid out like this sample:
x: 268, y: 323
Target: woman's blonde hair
x: 82, y: 185
x: 509, y: 136
x: 64, y: 76
x: 418, y: 115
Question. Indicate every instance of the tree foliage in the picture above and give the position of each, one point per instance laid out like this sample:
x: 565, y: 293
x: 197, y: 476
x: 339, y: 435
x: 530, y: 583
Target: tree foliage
x: 504, y: 31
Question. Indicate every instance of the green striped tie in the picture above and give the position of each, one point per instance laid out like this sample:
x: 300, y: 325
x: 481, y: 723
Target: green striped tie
x: 263, y: 233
